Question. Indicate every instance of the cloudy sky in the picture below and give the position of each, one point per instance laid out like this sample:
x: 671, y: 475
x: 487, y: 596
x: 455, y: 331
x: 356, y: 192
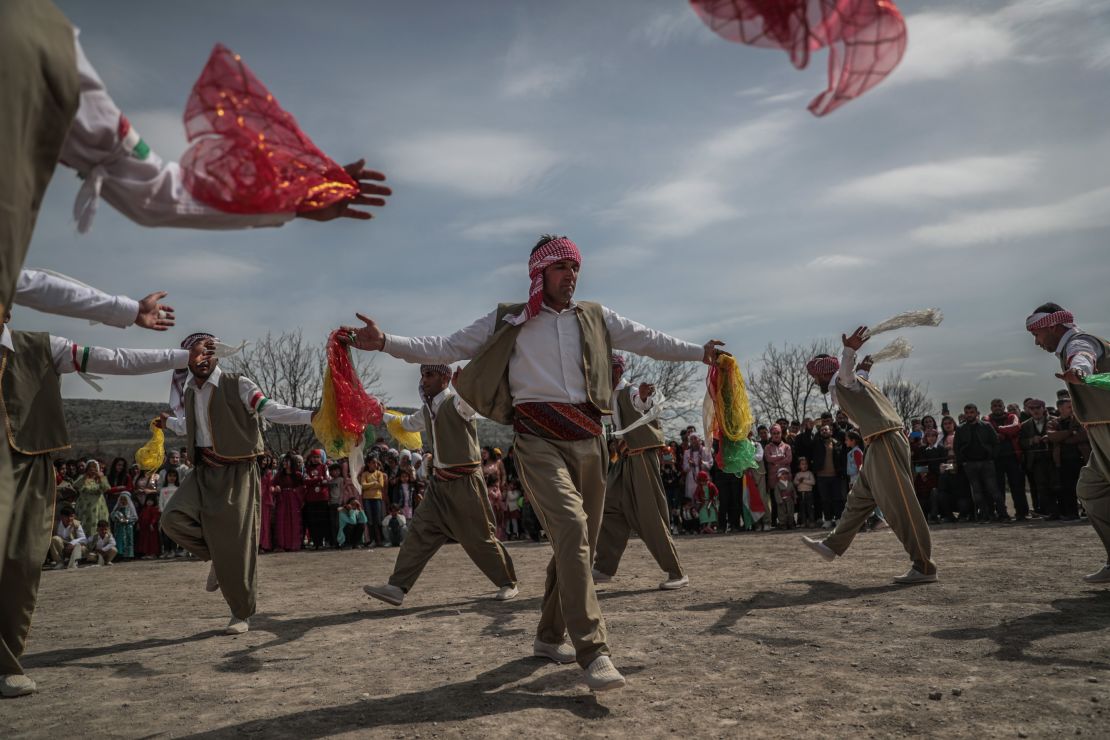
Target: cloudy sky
x: 708, y: 202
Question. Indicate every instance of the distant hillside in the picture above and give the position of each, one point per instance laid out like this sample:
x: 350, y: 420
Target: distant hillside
x: 118, y: 428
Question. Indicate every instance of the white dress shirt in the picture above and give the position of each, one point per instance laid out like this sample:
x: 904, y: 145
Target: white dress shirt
x: 415, y: 422
x: 63, y: 531
x: 546, y: 362
x: 637, y: 403
x: 128, y: 174
x: 252, y: 398
x: 52, y: 294
x: 847, y: 375
x: 70, y: 357
x: 1080, y: 353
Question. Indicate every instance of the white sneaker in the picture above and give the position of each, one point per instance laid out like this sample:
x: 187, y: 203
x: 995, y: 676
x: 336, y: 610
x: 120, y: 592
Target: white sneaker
x: 60, y: 566
x: 673, y: 584
x: 15, y: 685
x: 561, y: 653
x: 603, y: 676
x: 914, y: 576
x: 600, y: 577
x: 237, y: 626
x: 820, y: 548
x: 1102, y: 575
x: 213, y: 584
x: 506, y: 592
x: 387, y: 593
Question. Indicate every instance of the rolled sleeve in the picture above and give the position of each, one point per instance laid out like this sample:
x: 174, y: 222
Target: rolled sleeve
x: 462, y: 345
x: 632, y: 336
x: 50, y: 293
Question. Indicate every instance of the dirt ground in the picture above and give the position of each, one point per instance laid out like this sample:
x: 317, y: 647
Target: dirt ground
x: 768, y: 641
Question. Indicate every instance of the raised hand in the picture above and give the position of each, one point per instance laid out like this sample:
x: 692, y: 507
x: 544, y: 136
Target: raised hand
x: 160, y: 422
x: 854, y: 342
x: 1071, y: 376
x: 155, y: 315
x: 646, y: 389
x: 866, y: 363
x: 369, y: 195
x: 711, y: 353
x: 368, y: 337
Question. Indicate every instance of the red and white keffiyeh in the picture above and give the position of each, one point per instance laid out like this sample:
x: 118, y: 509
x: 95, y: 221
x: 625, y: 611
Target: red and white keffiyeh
x: 1043, y: 320
x: 820, y: 366
x: 554, y: 251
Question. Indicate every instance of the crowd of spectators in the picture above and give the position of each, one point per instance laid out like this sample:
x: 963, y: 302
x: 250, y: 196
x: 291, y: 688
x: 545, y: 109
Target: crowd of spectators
x: 963, y: 468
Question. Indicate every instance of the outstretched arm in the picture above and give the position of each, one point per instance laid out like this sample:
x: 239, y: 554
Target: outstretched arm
x: 270, y: 410
x: 632, y: 336
x: 846, y: 376
x: 70, y: 357
x: 51, y: 293
x: 462, y: 345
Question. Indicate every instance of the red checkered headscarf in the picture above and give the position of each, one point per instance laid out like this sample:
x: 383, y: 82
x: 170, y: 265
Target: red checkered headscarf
x: 617, y: 360
x: 177, y: 380
x: 1047, y: 320
x: 428, y: 368
x: 819, y: 366
x: 554, y: 251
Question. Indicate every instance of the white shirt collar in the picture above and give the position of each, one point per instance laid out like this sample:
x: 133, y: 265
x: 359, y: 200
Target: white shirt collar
x: 213, y: 379
x: 440, y: 397
x: 549, y: 309
x: 6, y: 340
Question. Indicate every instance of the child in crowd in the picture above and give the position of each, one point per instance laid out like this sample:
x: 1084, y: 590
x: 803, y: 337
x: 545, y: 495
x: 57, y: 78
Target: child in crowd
x: 150, y: 539
x: 690, y: 518
x: 513, y: 500
x: 395, y: 525
x: 335, y: 501
x: 529, y: 520
x: 316, y: 515
x: 854, y: 442
x: 706, y: 497
x: 102, y: 547
x: 784, y: 497
x: 124, y: 518
x: 804, y: 483
x: 170, y: 482
x: 352, y: 524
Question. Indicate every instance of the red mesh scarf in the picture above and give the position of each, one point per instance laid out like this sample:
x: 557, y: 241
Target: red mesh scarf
x: 866, y: 38
x: 248, y: 154
x: 355, y: 408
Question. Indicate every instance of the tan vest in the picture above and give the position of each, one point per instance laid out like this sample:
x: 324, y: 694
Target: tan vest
x: 39, y: 88
x: 644, y: 437
x: 455, y: 438
x: 484, y: 382
x: 869, y: 409
x: 32, y: 396
x: 236, y: 430
x: 1091, y: 405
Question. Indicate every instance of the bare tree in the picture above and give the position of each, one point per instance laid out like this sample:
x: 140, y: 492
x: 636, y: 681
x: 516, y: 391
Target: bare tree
x: 291, y: 370
x: 682, y: 383
x: 910, y: 398
x: 779, y: 386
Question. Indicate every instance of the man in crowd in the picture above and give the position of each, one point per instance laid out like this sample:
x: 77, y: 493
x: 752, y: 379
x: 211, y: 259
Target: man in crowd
x: 68, y: 540
x: 1037, y: 456
x: 1082, y: 355
x: 975, y: 445
x: 544, y: 367
x: 1007, y: 461
x: 829, y: 464
x: 1070, y: 449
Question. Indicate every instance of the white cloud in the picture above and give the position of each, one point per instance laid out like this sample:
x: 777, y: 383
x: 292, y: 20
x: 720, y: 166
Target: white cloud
x: 210, y: 267
x: 507, y: 229
x: 994, y: 363
x: 1081, y: 212
x: 672, y: 27
x: 835, y: 261
x: 785, y: 97
x: 480, y: 163
x: 1005, y: 373
x: 542, y: 80
x: 955, y: 178
x: 676, y: 208
x: 735, y: 143
x: 944, y: 44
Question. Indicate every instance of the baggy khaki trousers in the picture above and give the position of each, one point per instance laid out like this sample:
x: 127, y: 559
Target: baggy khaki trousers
x: 885, y: 481
x: 565, y: 481
x: 27, y: 509
x: 458, y: 510
x: 635, y: 500
x: 1094, y: 483
x: 214, y: 515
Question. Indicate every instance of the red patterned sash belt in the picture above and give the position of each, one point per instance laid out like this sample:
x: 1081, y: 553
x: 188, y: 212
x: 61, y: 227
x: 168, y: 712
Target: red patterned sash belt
x: 563, y: 421
x: 455, y: 472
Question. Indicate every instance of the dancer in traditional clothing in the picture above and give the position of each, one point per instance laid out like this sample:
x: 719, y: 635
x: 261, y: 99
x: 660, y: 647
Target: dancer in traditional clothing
x: 1083, y: 354
x: 31, y: 395
x: 214, y: 513
x: 455, y: 505
x: 634, y: 495
x: 543, y: 367
x: 885, y: 480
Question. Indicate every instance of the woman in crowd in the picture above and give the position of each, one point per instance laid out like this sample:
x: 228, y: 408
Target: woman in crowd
x: 118, y: 480
x: 169, y: 487
x: 267, y: 503
x: 316, y: 478
x: 949, y: 494
x: 372, y: 482
x: 144, y: 485
x: 352, y: 523
x: 149, y: 540
x: 91, y: 487
x: 927, y: 459
x: 289, y: 491
x: 124, y: 518
x: 695, y: 460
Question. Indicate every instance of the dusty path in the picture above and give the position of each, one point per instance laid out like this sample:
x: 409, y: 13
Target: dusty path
x: 768, y: 641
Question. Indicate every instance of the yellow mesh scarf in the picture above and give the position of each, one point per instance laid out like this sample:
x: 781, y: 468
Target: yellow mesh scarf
x: 732, y: 414
x: 325, y: 423
x: 406, y: 439
x: 150, y: 456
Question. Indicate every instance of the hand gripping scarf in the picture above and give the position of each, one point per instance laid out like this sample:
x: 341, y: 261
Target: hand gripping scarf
x: 728, y: 416
x: 1043, y: 320
x: 617, y: 361
x: 150, y: 456
x: 866, y: 38
x: 248, y: 155
x: 405, y: 439
x: 554, y: 251
x: 346, y: 408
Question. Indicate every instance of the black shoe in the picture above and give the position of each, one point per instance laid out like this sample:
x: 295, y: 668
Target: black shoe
x: 1052, y: 518
x: 1020, y: 518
